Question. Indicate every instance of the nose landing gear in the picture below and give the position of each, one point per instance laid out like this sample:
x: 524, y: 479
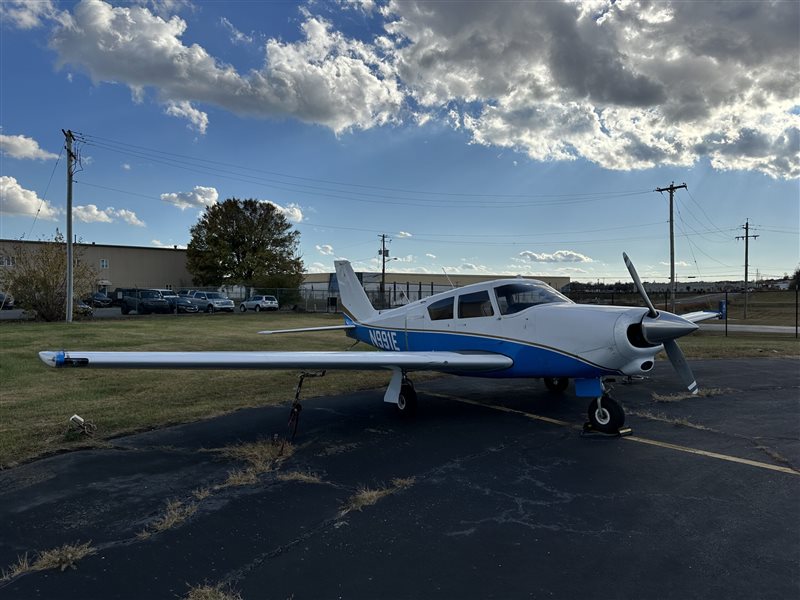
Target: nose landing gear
x: 606, y: 416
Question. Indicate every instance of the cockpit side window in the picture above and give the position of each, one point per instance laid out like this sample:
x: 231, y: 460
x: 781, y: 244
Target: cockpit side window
x: 441, y: 309
x: 514, y: 297
x: 476, y: 304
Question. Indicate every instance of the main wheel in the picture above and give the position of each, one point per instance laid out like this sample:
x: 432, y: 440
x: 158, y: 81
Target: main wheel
x: 407, y: 402
x: 556, y: 384
x: 608, y: 417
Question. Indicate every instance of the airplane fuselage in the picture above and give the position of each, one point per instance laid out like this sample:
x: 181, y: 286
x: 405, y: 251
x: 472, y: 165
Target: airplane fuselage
x: 555, y: 338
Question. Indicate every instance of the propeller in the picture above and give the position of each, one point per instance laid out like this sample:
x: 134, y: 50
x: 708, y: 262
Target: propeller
x: 664, y: 328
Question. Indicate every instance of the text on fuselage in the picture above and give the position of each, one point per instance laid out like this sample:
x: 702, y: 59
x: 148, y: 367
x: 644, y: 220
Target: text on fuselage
x: 384, y: 339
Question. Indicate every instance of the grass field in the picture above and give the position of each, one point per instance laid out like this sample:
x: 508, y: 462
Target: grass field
x: 36, y: 401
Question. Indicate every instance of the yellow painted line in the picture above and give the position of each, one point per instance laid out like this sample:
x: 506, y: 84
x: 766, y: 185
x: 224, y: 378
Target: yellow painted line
x: 632, y: 438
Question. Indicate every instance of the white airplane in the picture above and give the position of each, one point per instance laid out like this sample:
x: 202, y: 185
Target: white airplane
x: 518, y: 328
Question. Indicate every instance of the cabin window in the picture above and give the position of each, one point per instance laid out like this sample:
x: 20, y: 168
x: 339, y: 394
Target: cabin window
x: 514, y: 297
x: 473, y: 305
x: 441, y: 309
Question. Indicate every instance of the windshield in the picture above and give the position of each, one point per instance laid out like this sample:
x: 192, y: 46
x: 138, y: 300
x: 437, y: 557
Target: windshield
x: 514, y: 297
x: 215, y: 296
x: 149, y: 295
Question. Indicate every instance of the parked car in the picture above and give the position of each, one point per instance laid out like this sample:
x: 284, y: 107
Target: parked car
x: 145, y: 302
x: 259, y: 303
x: 170, y: 296
x: 82, y: 308
x: 118, y: 295
x: 6, y: 301
x: 212, y: 301
x: 185, y: 292
x: 184, y: 305
x: 98, y: 300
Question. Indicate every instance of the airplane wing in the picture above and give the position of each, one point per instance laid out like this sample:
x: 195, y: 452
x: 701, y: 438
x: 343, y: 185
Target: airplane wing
x: 307, y: 329
x: 409, y: 361
x: 700, y: 315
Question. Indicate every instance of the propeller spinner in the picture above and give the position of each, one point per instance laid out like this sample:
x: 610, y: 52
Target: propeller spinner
x: 664, y: 328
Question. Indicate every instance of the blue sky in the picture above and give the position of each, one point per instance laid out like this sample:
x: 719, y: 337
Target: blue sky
x: 505, y: 138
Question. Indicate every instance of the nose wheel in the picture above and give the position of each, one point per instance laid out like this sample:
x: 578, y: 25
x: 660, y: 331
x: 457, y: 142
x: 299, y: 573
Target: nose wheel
x: 606, y: 415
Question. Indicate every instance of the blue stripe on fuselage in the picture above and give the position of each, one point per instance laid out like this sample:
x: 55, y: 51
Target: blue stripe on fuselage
x: 529, y: 360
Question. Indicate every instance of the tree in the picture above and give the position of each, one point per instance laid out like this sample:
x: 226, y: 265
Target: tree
x: 245, y: 242
x: 38, y: 280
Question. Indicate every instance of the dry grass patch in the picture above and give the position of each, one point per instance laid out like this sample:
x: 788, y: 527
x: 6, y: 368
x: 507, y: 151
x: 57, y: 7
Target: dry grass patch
x: 306, y: 477
x: 261, y: 456
x: 212, y: 592
x: 22, y: 565
x: 175, y: 514
x: 661, y: 417
x: 201, y: 493
x: 702, y: 393
x: 365, y: 496
x: 62, y: 558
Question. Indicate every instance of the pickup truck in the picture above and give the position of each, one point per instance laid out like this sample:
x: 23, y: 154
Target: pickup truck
x: 211, y: 301
x: 144, y: 302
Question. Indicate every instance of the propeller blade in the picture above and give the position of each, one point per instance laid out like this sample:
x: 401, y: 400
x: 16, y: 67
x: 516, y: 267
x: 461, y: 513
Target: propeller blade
x: 639, y: 286
x: 678, y: 361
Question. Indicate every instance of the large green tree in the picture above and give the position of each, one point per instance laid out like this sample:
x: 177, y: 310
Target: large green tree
x: 244, y: 242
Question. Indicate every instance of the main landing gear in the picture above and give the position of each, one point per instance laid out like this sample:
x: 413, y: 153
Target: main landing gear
x: 407, y: 401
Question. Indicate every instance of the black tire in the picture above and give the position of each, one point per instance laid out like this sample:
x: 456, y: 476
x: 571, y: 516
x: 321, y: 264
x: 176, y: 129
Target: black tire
x: 257, y: 308
x: 407, y: 402
x: 125, y: 310
x: 609, y: 418
x: 210, y: 308
x: 556, y: 384
x: 243, y: 308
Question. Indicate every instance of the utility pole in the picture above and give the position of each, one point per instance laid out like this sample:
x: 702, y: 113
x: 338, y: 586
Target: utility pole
x: 70, y: 139
x: 384, y: 254
x: 746, y: 237
x: 671, y: 189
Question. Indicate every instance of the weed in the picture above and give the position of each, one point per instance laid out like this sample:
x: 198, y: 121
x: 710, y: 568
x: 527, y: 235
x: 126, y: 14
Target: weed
x: 365, y: 496
x: 22, y: 565
x: 63, y: 557
x: 212, y: 592
x: 175, y: 514
x: 299, y: 476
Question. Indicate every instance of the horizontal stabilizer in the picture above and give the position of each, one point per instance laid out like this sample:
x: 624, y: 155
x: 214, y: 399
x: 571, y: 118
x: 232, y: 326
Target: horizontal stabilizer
x: 412, y: 361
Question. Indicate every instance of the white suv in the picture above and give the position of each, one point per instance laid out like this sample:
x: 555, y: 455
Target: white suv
x: 259, y: 303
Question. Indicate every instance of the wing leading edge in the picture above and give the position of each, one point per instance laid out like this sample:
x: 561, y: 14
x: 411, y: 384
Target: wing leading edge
x: 411, y: 361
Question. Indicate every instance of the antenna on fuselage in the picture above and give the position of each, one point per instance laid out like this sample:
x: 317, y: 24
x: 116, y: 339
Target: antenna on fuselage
x: 448, y: 278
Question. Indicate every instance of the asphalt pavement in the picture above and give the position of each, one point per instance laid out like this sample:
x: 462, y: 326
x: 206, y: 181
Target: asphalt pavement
x: 490, y: 492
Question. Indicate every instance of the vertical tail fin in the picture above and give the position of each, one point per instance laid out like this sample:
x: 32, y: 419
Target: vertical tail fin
x: 354, y: 298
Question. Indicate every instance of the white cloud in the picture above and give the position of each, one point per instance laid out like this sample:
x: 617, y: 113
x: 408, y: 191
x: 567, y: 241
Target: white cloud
x: 626, y: 85
x: 27, y: 14
x: 237, y: 37
x: 292, y: 212
x: 20, y: 146
x: 678, y: 263
x: 324, y: 78
x: 403, y: 234
x: 17, y: 201
x: 160, y: 244
x: 431, y: 256
x: 645, y: 85
x: 126, y: 167
x: 90, y: 213
x: 559, y: 256
x: 198, y: 120
x: 325, y: 249
x: 199, y: 197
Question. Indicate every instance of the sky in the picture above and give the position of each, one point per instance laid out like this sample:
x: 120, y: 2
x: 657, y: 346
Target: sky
x: 480, y: 137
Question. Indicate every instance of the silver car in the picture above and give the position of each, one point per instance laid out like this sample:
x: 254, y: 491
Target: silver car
x: 259, y: 303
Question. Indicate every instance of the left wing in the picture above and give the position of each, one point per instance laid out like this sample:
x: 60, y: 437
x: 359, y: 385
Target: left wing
x: 410, y: 361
